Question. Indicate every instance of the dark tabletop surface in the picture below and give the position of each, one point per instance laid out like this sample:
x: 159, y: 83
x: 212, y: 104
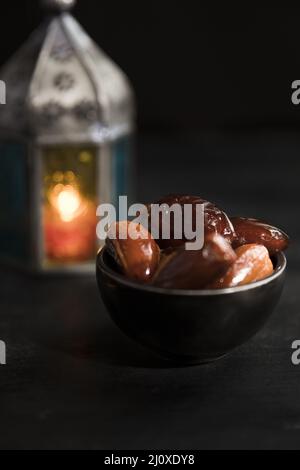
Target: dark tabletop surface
x: 72, y: 380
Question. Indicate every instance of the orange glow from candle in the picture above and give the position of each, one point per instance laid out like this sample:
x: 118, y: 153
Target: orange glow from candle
x: 67, y: 201
x: 70, y: 224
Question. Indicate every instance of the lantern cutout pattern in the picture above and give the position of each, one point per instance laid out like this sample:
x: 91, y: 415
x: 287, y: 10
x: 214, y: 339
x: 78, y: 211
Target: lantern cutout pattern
x: 66, y: 137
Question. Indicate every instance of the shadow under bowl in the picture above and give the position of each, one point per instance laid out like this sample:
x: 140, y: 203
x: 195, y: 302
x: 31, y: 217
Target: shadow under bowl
x: 189, y: 326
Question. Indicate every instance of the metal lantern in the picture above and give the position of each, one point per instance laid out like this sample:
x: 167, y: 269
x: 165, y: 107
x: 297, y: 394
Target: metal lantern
x: 65, y: 145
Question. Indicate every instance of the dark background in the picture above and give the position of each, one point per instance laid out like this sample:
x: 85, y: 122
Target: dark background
x: 192, y: 67
x: 215, y: 119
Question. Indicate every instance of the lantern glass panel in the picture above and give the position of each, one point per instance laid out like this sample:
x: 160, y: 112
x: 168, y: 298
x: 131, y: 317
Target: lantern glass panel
x: 122, y: 169
x: 69, y: 203
x: 14, y: 209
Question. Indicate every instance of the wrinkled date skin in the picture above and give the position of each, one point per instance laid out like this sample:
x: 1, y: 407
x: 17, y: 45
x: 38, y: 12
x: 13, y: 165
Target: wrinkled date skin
x: 253, y: 263
x: 138, y: 259
x: 183, y: 269
x: 254, y: 231
x: 216, y: 221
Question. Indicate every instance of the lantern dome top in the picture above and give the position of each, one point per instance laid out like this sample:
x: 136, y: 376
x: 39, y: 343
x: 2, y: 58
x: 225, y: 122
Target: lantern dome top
x: 61, y: 86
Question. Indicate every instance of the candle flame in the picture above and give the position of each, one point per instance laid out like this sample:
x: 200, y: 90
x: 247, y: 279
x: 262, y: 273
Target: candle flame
x: 67, y: 201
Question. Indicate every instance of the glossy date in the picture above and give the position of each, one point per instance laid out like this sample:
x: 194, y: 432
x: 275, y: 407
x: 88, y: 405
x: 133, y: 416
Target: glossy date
x: 137, y: 258
x: 184, y: 269
x: 215, y: 220
x: 254, y: 231
x: 253, y: 263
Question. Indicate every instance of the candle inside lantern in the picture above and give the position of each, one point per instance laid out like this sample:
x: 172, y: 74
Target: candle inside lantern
x: 69, y: 207
x: 70, y: 224
x: 67, y: 201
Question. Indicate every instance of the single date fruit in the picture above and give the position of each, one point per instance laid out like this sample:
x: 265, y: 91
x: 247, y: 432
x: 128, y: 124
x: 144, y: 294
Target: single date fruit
x: 253, y: 263
x: 137, y: 258
x: 216, y: 221
x: 254, y: 231
x: 184, y: 269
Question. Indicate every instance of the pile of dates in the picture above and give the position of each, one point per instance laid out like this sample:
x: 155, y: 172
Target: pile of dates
x: 237, y: 251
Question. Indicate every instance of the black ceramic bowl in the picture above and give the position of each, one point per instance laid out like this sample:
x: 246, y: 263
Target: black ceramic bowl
x: 189, y: 326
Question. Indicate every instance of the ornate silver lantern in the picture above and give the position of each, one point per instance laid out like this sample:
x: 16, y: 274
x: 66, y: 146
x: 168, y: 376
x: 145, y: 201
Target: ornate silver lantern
x: 65, y: 145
